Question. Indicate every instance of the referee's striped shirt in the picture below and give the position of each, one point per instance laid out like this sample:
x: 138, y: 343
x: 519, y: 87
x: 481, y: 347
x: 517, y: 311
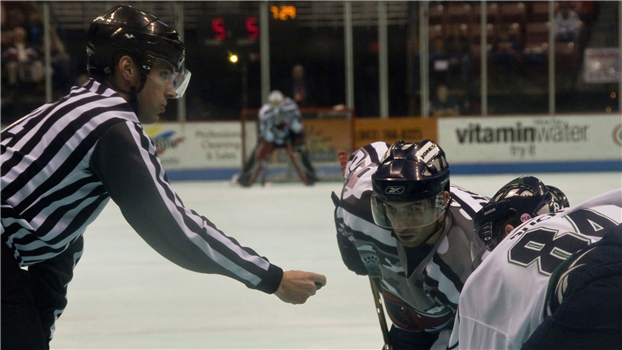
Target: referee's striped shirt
x: 64, y: 161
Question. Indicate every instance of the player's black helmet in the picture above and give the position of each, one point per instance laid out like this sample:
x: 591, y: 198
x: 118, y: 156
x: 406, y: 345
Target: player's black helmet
x: 518, y: 201
x: 410, y: 172
x: 140, y: 34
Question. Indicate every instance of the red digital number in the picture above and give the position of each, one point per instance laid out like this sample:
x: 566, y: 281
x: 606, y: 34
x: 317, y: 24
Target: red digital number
x: 251, y: 28
x: 218, y: 25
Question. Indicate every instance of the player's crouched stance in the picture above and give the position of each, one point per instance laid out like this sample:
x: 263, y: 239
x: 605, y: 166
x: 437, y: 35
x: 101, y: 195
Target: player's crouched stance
x: 400, y: 222
x: 280, y: 126
x: 529, y: 287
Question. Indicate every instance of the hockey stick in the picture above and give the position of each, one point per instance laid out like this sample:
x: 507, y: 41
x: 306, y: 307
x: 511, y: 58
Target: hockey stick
x: 380, y: 312
x: 343, y: 160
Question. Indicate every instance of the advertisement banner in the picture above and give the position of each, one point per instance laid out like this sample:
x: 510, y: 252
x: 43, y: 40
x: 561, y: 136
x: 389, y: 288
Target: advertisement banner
x: 601, y: 65
x: 525, y: 139
x: 410, y: 129
x: 196, y: 145
x: 326, y: 137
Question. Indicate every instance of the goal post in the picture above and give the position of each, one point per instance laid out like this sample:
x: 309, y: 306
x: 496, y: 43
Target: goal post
x: 327, y: 131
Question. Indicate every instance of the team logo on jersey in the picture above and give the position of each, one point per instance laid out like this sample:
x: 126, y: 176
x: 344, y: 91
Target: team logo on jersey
x: 525, y: 217
x: 372, y: 265
x: 394, y: 189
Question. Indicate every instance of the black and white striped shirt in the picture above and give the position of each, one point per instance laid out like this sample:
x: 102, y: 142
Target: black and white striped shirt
x: 64, y: 161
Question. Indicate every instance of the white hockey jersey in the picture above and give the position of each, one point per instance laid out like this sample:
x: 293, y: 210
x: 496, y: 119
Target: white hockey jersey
x: 276, y: 123
x: 503, y: 301
x: 421, y: 288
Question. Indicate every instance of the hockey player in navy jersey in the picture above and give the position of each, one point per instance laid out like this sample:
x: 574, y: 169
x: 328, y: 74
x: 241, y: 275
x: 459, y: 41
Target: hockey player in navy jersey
x: 280, y: 126
x: 401, y: 222
x: 528, y: 293
x: 62, y: 163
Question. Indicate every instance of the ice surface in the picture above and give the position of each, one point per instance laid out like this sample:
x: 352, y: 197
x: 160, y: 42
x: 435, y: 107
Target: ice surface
x: 126, y: 296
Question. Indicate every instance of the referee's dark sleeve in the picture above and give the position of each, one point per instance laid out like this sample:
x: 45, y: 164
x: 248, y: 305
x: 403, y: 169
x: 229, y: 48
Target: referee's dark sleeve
x: 136, y: 182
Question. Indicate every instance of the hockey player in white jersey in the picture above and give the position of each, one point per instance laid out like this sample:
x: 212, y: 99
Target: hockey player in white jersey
x: 280, y: 126
x: 505, y: 300
x: 400, y: 222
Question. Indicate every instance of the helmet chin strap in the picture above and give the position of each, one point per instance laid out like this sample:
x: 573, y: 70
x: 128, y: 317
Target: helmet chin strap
x: 133, y: 100
x: 132, y: 94
x: 439, y: 225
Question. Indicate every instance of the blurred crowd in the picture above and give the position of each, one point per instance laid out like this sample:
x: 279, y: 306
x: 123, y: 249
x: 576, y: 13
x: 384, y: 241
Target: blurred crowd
x: 516, y: 48
x: 23, y: 60
x: 516, y: 45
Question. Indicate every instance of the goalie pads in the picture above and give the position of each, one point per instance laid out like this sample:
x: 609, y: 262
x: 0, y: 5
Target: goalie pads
x: 254, y: 165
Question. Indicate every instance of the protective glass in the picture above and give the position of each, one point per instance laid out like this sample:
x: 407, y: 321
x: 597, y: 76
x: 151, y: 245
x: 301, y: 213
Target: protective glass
x: 407, y: 215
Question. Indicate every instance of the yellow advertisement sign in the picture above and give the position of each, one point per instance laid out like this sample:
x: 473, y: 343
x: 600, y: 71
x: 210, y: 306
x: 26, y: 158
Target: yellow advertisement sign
x: 326, y: 137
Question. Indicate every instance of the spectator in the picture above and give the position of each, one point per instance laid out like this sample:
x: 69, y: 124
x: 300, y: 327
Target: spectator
x: 439, y: 63
x: 442, y: 105
x: 459, y: 53
x: 299, y: 87
x: 23, y: 62
x: 567, y: 24
x: 506, y: 49
x: 63, y: 77
x: 3, y: 17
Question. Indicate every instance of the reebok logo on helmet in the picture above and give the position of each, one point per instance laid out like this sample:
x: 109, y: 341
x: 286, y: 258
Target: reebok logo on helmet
x: 394, y: 190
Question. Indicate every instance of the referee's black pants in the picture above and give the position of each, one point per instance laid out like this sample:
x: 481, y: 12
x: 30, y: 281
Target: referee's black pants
x: 21, y: 324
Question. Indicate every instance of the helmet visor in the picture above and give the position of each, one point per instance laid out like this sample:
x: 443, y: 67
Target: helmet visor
x: 180, y: 82
x: 163, y: 74
x: 407, y: 215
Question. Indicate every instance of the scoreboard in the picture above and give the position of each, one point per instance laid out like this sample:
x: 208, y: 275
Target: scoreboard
x: 245, y: 29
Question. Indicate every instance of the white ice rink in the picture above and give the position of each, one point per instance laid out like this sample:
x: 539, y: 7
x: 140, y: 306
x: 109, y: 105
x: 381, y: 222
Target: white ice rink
x: 126, y: 296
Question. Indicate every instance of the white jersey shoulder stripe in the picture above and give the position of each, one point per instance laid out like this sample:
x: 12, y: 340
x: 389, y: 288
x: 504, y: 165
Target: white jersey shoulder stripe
x: 369, y: 229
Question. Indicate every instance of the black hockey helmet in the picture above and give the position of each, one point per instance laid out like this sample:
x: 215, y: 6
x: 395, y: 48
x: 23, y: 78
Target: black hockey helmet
x: 411, y: 172
x: 518, y: 201
x: 140, y: 34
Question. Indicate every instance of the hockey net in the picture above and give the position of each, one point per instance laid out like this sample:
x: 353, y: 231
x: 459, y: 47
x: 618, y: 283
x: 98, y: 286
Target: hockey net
x: 327, y: 131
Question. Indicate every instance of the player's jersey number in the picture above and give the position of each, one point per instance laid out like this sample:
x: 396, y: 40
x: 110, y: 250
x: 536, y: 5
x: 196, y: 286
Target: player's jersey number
x: 548, y: 247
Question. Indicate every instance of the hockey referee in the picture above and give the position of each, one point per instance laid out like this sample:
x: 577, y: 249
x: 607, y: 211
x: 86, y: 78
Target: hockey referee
x: 63, y: 162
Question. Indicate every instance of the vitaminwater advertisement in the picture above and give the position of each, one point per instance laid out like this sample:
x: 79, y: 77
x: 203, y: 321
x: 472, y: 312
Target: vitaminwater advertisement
x: 531, y: 138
